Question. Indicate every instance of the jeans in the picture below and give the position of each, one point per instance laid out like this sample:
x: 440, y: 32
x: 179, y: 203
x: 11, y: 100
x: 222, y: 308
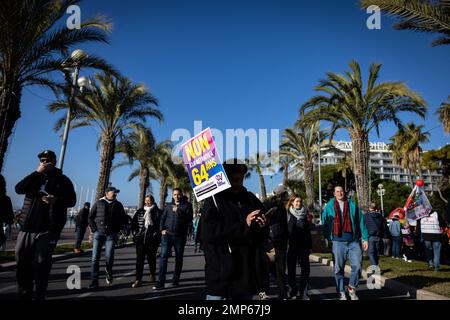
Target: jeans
x: 374, y: 249
x: 341, y: 250
x: 396, y: 246
x: 433, y: 253
x: 109, y: 241
x: 167, y: 242
x: 34, y: 262
x: 295, y: 254
x: 81, y: 230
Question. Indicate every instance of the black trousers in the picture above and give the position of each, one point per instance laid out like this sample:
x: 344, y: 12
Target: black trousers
x: 34, y: 262
x: 294, y: 254
x: 280, y: 271
x: 145, y: 251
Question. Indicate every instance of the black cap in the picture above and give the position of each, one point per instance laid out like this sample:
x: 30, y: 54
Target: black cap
x: 109, y: 189
x: 47, y: 153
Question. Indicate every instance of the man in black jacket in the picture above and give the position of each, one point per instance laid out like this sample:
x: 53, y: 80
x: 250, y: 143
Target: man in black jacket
x: 233, y: 228
x: 81, y: 223
x: 175, y: 222
x: 145, y: 227
x: 106, y: 219
x: 48, y: 194
x: 375, y: 227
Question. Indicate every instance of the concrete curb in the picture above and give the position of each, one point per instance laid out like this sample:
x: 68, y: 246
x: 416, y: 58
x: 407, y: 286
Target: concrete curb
x: 418, y: 294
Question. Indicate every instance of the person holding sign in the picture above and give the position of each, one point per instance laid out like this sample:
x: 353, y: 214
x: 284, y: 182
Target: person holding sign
x: 233, y: 227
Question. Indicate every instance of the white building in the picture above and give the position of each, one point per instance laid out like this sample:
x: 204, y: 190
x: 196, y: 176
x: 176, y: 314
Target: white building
x: 380, y: 162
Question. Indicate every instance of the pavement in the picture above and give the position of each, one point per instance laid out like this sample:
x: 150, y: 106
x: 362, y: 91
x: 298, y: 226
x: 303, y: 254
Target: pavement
x: 192, y: 284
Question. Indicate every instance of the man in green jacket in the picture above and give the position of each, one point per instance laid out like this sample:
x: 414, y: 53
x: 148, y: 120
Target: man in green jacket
x: 344, y: 225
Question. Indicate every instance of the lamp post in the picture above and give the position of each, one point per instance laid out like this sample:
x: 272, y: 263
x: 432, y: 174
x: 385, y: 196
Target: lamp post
x: 320, y: 177
x: 381, y: 193
x: 77, y: 84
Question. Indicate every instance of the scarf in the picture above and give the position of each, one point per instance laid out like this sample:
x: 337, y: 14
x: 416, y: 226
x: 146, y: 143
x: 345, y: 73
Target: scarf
x: 298, y: 213
x: 338, y: 225
x: 147, y: 216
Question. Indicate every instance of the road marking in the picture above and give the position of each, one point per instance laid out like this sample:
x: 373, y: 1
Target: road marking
x: 126, y: 275
x: 8, y: 288
x: 84, y: 295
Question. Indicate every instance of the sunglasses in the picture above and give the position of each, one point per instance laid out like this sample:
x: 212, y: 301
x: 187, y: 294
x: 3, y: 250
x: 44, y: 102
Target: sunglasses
x: 44, y: 160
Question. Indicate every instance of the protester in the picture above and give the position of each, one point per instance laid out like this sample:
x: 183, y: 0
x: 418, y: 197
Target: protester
x: 48, y: 194
x: 344, y: 224
x: 6, y: 210
x: 375, y: 227
x: 195, y: 224
x: 106, y: 219
x: 386, y: 239
x: 82, y: 222
x: 300, y: 245
x: 145, y: 227
x: 431, y: 228
x: 395, y: 230
x: 175, y: 222
x: 233, y: 228
x: 278, y: 224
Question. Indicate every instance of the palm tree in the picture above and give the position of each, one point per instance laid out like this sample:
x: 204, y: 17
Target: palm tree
x: 444, y: 115
x: 139, y: 145
x: 344, y: 167
x: 359, y: 109
x: 163, y: 168
x: 261, y: 164
x: 301, y: 146
x: 407, y: 141
x: 399, y: 158
x: 432, y: 16
x: 32, y: 46
x: 114, y: 106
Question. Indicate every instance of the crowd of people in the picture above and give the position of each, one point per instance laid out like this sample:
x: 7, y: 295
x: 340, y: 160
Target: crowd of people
x: 245, y: 242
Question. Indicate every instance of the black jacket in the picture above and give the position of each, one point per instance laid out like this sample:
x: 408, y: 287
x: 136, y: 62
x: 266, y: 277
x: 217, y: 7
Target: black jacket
x: 374, y: 223
x: 37, y: 216
x: 82, y: 218
x: 177, y: 224
x: 107, y: 218
x: 142, y: 234
x: 299, y: 231
x: 224, y: 229
x: 6, y: 210
x: 278, y: 225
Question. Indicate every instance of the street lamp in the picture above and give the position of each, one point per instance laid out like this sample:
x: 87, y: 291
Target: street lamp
x: 381, y: 193
x: 77, y: 85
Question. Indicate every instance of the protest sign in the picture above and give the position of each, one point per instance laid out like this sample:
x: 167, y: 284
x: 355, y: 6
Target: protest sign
x: 417, y: 206
x: 203, y: 164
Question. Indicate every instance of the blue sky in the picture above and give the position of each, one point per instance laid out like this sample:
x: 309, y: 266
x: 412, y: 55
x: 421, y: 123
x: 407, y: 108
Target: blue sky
x: 231, y: 64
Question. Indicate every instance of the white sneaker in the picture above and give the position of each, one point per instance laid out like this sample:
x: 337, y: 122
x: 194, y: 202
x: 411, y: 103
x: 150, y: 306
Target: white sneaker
x: 263, y: 296
x: 342, y: 296
x: 405, y: 258
x: 305, y: 297
x: 352, y: 293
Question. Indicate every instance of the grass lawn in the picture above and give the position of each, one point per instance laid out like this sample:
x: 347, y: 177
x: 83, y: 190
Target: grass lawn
x: 415, y: 274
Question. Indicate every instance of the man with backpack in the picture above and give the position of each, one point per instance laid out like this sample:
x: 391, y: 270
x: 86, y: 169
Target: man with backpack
x: 375, y: 227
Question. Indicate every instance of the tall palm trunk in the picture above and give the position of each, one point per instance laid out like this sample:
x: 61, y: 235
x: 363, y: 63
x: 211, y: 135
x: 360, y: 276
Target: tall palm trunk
x: 162, y: 192
x: 106, y: 160
x: 360, y: 157
x: 143, y: 185
x: 309, y: 184
x: 263, y: 187
x: 410, y: 177
x: 285, y: 174
x: 9, y: 114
